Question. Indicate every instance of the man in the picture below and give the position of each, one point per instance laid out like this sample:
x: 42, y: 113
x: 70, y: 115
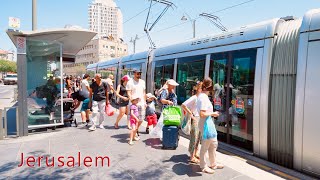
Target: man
x: 136, y: 87
x: 98, y: 100
x: 109, y: 80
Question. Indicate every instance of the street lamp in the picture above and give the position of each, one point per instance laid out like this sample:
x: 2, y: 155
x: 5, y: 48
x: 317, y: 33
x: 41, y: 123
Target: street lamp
x: 193, y: 21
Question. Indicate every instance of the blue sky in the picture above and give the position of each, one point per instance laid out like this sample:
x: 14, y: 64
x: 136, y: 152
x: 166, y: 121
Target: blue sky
x: 58, y: 13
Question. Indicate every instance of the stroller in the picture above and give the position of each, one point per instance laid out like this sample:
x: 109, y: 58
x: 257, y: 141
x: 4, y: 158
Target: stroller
x: 68, y: 111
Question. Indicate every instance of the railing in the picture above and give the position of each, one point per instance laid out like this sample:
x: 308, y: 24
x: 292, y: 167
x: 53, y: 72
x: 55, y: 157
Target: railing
x: 4, y: 122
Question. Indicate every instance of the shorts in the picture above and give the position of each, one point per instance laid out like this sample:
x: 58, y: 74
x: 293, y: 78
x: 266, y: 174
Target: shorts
x: 152, y: 119
x: 142, y: 113
x: 133, y: 123
x: 85, y: 105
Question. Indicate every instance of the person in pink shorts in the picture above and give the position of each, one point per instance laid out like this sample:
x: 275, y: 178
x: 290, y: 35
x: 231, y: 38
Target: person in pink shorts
x: 134, y: 114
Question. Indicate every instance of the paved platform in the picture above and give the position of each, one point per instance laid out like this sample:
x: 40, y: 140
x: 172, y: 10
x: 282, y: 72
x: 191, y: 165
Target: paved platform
x: 144, y: 160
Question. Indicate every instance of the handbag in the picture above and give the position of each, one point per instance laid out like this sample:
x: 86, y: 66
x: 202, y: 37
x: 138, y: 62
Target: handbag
x: 109, y: 110
x: 186, y: 124
x: 172, y: 116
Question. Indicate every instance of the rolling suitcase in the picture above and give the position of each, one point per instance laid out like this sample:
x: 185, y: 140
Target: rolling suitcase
x: 170, y: 137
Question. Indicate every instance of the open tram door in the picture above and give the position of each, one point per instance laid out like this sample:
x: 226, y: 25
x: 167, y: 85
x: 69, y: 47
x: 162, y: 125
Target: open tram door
x: 40, y: 57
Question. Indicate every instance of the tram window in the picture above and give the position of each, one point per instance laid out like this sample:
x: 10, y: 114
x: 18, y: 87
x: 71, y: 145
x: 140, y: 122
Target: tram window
x: 128, y: 69
x: 105, y: 72
x: 190, y: 70
x: 163, y: 71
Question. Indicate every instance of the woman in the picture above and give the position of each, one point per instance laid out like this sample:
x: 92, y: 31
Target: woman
x: 205, y: 109
x: 190, y: 106
x: 121, y: 93
x: 167, y: 94
x: 84, y: 92
x: 69, y: 86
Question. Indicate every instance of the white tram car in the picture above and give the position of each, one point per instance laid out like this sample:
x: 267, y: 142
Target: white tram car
x: 266, y: 81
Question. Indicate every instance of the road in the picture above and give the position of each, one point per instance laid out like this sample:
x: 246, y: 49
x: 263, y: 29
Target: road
x: 6, y: 95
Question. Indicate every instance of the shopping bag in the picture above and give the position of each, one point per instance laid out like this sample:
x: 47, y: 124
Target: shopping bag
x: 172, y: 116
x: 186, y: 124
x: 109, y: 110
x: 209, y: 129
x: 157, y: 130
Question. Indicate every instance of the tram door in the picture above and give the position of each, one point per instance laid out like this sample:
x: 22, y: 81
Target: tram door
x: 233, y: 78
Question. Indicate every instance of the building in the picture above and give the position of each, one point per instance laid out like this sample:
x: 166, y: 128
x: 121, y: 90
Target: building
x: 105, y: 18
x: 6, y: 55
x: 100, y: 50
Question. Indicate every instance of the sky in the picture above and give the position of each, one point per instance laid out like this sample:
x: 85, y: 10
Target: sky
x: 58, y: 13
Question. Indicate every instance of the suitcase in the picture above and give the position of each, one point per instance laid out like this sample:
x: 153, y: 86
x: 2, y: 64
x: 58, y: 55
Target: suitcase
x: 170, y: 137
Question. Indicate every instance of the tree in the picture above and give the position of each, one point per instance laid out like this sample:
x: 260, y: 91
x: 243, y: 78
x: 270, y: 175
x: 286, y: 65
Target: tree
x: 7, y: 66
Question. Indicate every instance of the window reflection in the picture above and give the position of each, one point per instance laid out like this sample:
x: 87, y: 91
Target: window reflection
x: 190, y: 70
x: 162, y: 72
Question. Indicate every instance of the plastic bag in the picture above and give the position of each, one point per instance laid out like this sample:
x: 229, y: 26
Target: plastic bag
x: 209, y: 129
x: 109, y: 110
x: 157, y: 130
x: 171, y: 116
x: 186, y: 124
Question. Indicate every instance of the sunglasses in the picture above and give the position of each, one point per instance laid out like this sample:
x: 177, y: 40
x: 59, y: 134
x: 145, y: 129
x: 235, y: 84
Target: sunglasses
x: 138, y: 73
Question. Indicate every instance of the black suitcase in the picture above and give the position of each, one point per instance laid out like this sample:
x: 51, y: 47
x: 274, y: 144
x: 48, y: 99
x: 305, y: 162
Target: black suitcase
x: 170, y: 137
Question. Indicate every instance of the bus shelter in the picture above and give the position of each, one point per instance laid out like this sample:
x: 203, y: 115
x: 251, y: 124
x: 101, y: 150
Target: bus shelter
x: 40, y: 57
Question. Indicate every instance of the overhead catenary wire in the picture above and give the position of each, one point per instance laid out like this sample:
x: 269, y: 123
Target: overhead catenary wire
x: 176, y: 25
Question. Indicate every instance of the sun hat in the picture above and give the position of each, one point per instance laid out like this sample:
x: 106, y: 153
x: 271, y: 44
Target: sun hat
x: 172, y: 82
x: 135, y: 97
x: 149, y: 95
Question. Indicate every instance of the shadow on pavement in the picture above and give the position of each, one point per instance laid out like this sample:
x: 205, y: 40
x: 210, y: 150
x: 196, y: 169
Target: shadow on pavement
x: 123, y: 138
x: 154, y: 143
x: 182, y: 166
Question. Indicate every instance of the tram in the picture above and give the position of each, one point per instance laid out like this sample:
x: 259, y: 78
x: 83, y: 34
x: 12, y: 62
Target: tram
x: 266, y: 85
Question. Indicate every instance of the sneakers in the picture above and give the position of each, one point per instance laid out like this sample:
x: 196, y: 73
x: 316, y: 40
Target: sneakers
x: 218, y: 166
x: 208, y: 170
x: 101, y: 126
x: 92, y: 128
x: 130, y: 143
x: 136, y: 138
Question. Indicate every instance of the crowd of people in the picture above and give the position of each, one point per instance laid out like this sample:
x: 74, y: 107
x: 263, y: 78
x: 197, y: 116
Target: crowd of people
x: 132, y: 100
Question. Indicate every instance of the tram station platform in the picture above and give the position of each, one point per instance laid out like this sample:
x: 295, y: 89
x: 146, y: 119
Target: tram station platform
x: 144, y: 160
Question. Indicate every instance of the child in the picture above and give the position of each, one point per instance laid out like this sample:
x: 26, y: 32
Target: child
x: 151, y: 111
x: 134, y: 114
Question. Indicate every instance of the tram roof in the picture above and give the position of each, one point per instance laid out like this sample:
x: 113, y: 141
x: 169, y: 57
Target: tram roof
x: 108, y: 62
x: 262, y: 30
x: 137, y: 56
x: 91, y: 66
x: 311, y: 21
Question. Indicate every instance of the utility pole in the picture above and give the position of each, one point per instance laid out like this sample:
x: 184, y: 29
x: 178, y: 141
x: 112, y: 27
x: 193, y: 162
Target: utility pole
x: 133, y: 41
x: 34, y: 15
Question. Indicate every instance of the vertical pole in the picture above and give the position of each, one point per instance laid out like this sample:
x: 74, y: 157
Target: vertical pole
x: 194, y: 28
x: 17, y: 122
x: 34, y: 15
x: 61, y: 82
x: 1, y: 125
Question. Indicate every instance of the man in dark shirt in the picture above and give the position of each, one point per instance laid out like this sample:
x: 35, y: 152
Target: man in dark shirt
x: 98, y: 100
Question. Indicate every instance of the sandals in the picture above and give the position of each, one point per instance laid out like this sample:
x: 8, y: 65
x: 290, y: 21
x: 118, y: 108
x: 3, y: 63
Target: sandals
x: 194, y: 161
x: 208, y: 170
x: 116, y: 126
x: 218, y: 166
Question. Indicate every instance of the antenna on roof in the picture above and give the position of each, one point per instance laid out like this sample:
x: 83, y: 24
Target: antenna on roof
x: 215, y: 20
x: 168, y: 4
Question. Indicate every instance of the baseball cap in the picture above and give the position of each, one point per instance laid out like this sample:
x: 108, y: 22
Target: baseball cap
x: 126, y: 78
x: 136, y: 70
x: 172, y: 82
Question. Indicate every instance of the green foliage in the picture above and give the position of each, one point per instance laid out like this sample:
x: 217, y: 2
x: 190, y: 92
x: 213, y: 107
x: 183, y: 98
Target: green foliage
x: 7, y: 66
